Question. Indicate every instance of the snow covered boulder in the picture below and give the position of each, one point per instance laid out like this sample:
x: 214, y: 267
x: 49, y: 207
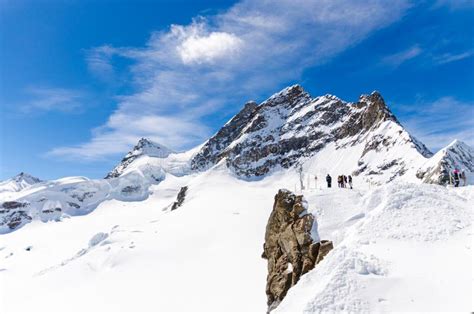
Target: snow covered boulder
x: 291, y: 245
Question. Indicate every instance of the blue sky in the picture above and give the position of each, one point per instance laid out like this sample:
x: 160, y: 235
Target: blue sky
x: 82, y: 81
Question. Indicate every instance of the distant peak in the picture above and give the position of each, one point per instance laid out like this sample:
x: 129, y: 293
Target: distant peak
x: 23, y: 176
x: 458, y: 143
x: 144, y: 141
x: 148, y: 147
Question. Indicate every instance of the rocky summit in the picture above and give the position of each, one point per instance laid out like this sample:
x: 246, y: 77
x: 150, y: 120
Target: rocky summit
x: 292, y: 246
x: 291, y: 125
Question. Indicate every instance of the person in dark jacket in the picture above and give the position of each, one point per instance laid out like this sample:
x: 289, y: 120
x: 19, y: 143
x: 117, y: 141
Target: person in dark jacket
x: 340, y: 181
x: 345, y: 181
x: 328, y: 180
x: 350, y: 181
x: 456, y: 177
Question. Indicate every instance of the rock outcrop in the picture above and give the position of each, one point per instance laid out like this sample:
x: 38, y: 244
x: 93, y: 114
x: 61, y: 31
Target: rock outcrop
x: 180, y: 198
x: 292, y: 245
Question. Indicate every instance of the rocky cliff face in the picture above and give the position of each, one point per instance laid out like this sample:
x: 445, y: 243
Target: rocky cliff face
x: 292, y: 245
x: 437, y: 169
x: 291, y: 125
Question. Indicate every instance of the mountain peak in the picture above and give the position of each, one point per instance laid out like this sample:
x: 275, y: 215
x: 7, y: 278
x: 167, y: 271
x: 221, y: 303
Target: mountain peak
x: 148, y: 147
x: 144, y: 147
x: 293, y: 91
x: 25, y: 177
x: 457, y: 155
x: 291, y: 125
x: 288, y: 97
x: 377, y: 110
x: 19, y: 182
x: 457, y: 143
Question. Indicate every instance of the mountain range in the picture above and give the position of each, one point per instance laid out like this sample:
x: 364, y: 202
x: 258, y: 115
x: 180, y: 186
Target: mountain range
x: 291, y: 129
x: 185, y: 231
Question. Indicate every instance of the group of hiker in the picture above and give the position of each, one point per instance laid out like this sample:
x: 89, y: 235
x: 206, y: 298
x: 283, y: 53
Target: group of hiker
x: 343, y: 181
x: 458, y: 176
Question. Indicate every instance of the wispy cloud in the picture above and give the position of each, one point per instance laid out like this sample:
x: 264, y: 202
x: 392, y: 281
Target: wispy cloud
x: 451, y: 57
x: 188, y: 72
x: 121, y: 130
x: 439, y: 122
x: 99, y: 62
x: 53, y: 99
x: 398, y: 58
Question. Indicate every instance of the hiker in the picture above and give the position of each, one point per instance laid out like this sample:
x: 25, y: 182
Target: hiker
x: 339, y: 181
x: 350, y: 181
x: 456, y: 177
x: 315, y: 182
x: 328, y: 180
x: 345, y: 180
x: 463, y: 178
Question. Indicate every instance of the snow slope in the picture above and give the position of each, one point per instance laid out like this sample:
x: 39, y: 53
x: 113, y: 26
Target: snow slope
x: 206, y: 255
x: 408, y: 248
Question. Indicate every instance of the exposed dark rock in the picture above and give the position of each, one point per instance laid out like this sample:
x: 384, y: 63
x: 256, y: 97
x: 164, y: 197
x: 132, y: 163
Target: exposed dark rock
x: 131, y: 189
x: 14, y: 204
x: 14, y: 219
x: 291, y: 246
x: 180, y: 198
x: 73, y: 205
x: 212, y: 151
x: 81, y: 197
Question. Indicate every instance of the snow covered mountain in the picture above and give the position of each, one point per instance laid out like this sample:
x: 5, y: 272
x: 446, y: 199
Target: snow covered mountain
x: 457, y: 155
x: 291, y: 127
x: 18, y: 183
x: 164, y: 227
x: 145, y: 147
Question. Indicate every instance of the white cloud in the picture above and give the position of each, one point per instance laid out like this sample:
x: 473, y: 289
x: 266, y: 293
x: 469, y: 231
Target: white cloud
x: 53, y: 99
x: 400, y: 57
x: 210, y: 48
x: 188, y: 73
